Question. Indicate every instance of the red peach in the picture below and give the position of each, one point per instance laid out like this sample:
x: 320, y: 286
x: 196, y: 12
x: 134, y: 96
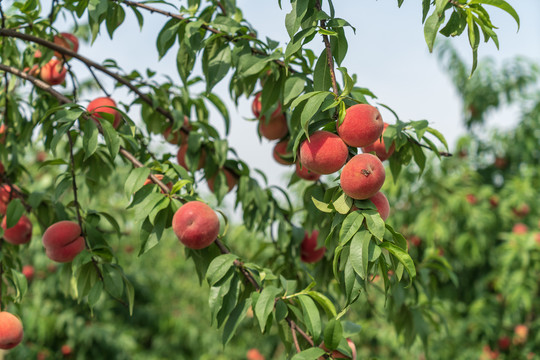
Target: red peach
x: 2, y: 169
x: 177, y: 137
x: 504, y: 343
x: 308, y: 251
x: 63, y: 241
x: 99, y: 106
x: 380, y: 148
x: 381, y: 203
x: 231, y: 178
x: 494, y: 201
x: 500, y: 162
x: 256, y: 107
x: 181, y: 157
x: 280, y: 153
x: 363, y: 176
x: 415, y: 240
x: 323, y: 153
x: 20, y: 233
x: 3, y: 133
x: 66, y: 350
x: 522, y: 210
x: 275, y: 128
x: 305, y: 174
x: 11, y: 330
x: 520, y: 229
x: 471, y: 199
x: 6, y: 195
x: 196, y: 225
x: 53, y: 72
x: 28, y: 271
x: 362, y: 125
x: 337, y: 355
x: 521, y: 333
x: 254, y: 354
x: 68, y: 41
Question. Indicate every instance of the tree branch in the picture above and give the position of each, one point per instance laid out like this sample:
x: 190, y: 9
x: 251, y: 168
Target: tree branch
x: 329, y: 56
x: 295, y: 339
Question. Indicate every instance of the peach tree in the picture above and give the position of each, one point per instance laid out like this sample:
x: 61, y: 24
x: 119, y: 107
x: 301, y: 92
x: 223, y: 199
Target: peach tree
x: 316, y: 259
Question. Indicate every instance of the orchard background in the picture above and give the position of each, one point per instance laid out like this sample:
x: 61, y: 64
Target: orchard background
x: 452, y: 274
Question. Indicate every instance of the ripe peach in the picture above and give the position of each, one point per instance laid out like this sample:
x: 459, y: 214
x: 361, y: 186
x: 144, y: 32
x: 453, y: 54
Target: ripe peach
x: 521, y: 333
x: 381, y: 203
x: 181, y: 157
x: 306, y: 174
x: 98, y: 106
x: 231, y: 177
x: 500, y: 162
x: 471, y: 199
x: 53, y: 72
x: 308, y: 253
x: 323, y: 153
x: 3, y: 133
x: 177, y: 137
x: 520, y: 229
x: 66, y: 350
x: 380, y: 148
x: 415, y: 240
x: 256, y: 107
x: 504, y: 343
x: 63, y: 241
x: 28, y: 271
x: 275, y: 128
x: 494, y: 200
x: 254, y: 354
x: 2, y: 169
x: 196, y: 225
x: 11, y: 330
x: 159, y: 177
x: 363, y: 176
x: 6, y: 195
x: 68, y: 41
x: 280, y: 153
x: 362, y: 126
x: 20, y: 233
x: 522, y: 210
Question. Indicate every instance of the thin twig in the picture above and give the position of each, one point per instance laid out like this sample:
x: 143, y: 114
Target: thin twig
x: 3, y: 18
x: 442, y: 153
x: 97, y: 80
x: 329, y: 56
x: 78, y: 206
x: 295, y: 339
x: 304, y: 335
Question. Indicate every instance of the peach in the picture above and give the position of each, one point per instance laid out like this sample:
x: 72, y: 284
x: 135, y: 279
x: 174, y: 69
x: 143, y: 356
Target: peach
x: 196, y: 225
x: 363, y: 176
x: 337, y: 355
x: 98, y: 106
x: 520, y: 229
x: 66, y: 350
x: 68, y: 41
x: 415, y: 240
x: 3, y: 133
x: 159, y: 177
x: 2, y: 169
x: 281, y: 155
x: 20, y: 233
x: 254, y: 354
x: 521, y: 332
x: 6, y: 194
x: 471, y: 199
x: 381, y: 203
x: 323, y: 153
x: 380, y: 148
x: 63, y: 241
x: 11, y: 330
x: 362, y: 125
x: 181, y: 157
x: 28, y: 271
x: 231, y: 177
x: 53, y: 72
x: 256, y: 107
x: 308, y: 251
x: 275, y: 128
x: 494, y: 201
x: 522, y: 210
x: 504, y: 343
x: 178, y: 136
x: 306, y: 174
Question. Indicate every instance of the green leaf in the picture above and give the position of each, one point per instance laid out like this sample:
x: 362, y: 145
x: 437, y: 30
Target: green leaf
x: 312, y: 318
x: 294, y: 86
x: 350, y: 226
x: 111, y: 138
x: 235, y: 318
x: 324, y: 302
x: 431, y: 27
x: 361, y: 252
x: 14, y: 212
x: 402, y: 256
x: 21, y: 284
x: 135, y: 180
x: 501, y: 4
x: 333, y: 333
x: 265, y: 305
x: 90, y: 138
x: 310, y: 354
x: 311, y: 108
x: 219, y: 267
x: 322, y: 206
x: 439, y: 136
x: 322, y: 81
x: 167, y: 36
x: 218, y: 66
x: 375, y: 223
